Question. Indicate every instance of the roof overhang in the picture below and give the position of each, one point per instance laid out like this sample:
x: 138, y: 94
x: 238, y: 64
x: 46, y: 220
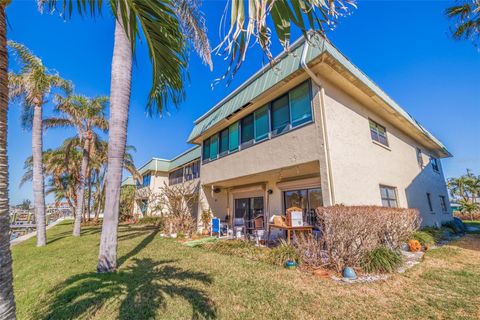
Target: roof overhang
x: 326, y: 60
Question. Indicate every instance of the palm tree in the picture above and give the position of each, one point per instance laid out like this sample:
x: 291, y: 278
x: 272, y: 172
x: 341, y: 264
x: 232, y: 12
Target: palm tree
x: 61, y: 167
x: 86, y: 115
x: 7, y: 300
x: 166, y: 25
x: 467, y: 20
x: 32, y: 88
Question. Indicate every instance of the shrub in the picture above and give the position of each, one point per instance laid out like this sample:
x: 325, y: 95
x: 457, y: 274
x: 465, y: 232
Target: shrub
x: 467, y: 216
x: 310, y: 251
x: 381, y: 260
x: 414, y: 245
x: 348, y: 233
x: 280, y: 254
x: 425, y: 238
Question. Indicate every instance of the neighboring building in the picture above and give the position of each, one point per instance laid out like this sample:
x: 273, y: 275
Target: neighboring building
x: 311, y: 131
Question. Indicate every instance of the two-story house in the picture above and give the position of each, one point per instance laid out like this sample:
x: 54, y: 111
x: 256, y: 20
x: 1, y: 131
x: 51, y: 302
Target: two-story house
x: 310, y: 131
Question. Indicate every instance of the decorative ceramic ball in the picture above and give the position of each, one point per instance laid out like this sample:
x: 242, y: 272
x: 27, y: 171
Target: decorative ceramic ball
x: 349, y: 273
x: 290, y: 264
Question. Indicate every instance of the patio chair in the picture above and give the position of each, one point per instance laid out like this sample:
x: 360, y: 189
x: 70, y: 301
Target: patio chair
x: 239, y: 227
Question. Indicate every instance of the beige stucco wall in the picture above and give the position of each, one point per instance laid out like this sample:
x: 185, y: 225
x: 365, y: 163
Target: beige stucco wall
x: 359, y: 165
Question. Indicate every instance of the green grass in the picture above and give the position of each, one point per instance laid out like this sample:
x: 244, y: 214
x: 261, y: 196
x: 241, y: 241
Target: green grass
x: 162, y: 279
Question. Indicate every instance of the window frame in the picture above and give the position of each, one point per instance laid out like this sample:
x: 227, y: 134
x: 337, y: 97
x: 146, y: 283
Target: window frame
x: 174, y: 180
x: 220, y: 141
x: 270, y: 135
x: 443, y: 204
x: 429, y: 201
x: 376, y: 126
x: 435, y: 164
x: 388, y: 199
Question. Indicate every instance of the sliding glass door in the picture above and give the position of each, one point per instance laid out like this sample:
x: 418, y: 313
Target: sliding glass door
x: 249, y: 208
x: 306, y: 199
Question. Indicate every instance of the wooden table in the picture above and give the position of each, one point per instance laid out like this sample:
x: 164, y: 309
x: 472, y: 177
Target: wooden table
x: 289, y: 229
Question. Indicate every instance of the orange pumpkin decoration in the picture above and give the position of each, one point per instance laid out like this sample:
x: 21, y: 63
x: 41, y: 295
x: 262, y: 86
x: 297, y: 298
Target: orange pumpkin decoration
x: 414, y: 245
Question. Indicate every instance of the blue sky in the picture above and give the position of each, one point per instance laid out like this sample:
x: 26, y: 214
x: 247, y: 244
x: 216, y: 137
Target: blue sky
x: 404, y: 46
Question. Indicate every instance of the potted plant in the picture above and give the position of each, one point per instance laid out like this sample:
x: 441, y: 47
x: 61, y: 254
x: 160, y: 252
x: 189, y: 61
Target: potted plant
x: 206, y: 218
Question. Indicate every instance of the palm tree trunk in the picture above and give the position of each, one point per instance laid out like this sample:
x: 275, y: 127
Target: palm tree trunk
x: 7, y: 300
x: 38, y: 179
x: 117, y: 136
x: 89, y: 195
x: 81, y: 188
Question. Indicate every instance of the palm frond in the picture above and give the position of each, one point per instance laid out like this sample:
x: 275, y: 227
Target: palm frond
x: 157, y: 20
x: 249, y: 23
x: 193, y: 25
x: 466, y: 17
x: 57, y: 123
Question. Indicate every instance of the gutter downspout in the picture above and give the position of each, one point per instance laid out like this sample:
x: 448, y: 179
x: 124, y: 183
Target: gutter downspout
x: 326, y: 150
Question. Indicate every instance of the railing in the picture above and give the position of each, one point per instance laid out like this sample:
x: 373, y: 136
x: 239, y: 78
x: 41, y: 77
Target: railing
x: 23, y: 221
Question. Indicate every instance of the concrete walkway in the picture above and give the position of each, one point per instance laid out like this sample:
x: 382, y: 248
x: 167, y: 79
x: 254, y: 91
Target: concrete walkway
x: 33, y: 234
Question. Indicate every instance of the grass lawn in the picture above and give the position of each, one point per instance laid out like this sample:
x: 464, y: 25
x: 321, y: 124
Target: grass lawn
x: 161, y: 279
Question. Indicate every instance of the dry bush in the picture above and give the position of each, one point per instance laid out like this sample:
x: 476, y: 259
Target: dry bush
x: 310, y: 251
x: 349, y: 233
x: 467, y: 216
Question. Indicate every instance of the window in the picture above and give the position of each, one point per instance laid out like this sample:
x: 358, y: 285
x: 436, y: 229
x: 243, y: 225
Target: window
x: 233, y: 137
x: 443, y: 204
x: 262, y: 125
x: 301, y: 109
x: 280, y: 115
x: 206, y: 149
x: 175, y: 177
x: 192, y: 171
x: 434, y: 162
x: 291, y: 110
x: 307, y: 199
x: 420, y: 158
x: 146, y: 180
x: 213, y: 147
x: 389, y: 196
x: 378, y: 133
x: 429, y: 199
x: 223, y: 142
x: 247, y: 130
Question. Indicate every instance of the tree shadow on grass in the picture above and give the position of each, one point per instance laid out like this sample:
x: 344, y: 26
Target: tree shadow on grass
x: 142, y: 290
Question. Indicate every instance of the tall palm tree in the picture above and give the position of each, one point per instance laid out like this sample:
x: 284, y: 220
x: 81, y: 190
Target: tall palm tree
x: 32, y: 88
x: 61, y: 168
x: 467, y: 20
x: 166, y: 25
x: 85, y: 115
x: 7, y: 300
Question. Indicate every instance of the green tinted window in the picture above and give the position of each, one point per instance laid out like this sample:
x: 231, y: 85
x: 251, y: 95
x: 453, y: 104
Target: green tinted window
x: 247, y: 129
x: 300, y: 104
x: 224, y: 142
x: 206, y: 149
x: 213, y: 147
x: 280, y: 115
x: 233, y: 137
x: 261, y: 123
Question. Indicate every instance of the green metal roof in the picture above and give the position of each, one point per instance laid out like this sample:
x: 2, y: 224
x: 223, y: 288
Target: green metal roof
x: 156, y: 164
x: 128, y: 182
x: 287, y: 64
x: 266, y: 78
x: 186, y: 157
